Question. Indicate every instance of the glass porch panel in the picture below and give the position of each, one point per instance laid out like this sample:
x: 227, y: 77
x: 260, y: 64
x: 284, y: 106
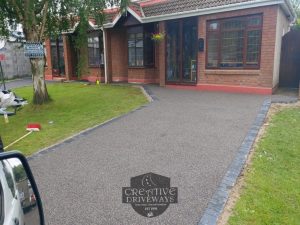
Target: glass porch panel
x: 61, y: 61
x: 189, y: 48
x: 57, y: 56
x: 173, y: 51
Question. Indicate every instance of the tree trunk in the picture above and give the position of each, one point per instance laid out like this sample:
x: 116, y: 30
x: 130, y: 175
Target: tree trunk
x: 40, y: 93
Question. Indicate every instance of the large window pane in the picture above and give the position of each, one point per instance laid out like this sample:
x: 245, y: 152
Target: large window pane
x: 131, y: 56
x: 173, y: 51
x: 189, y: 43
x: 139, y: 57
x: 232, y: 49
x: 140, y: 45
x: 95, y: 49
x: 234, y: 43
x: 135, y: 47
x: 213, y: 46
x: 57, y: 56
x: 253, y: 46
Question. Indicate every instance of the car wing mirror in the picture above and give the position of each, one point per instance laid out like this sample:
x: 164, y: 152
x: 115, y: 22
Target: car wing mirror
x: 20, y: 201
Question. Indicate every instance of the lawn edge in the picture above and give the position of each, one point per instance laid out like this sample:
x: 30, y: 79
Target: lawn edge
x: 219, y: 199
x: 84, y: 132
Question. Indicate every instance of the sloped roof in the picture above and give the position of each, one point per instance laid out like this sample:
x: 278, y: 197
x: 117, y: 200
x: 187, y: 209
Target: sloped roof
x: 175, y: 6
x: 147, y: 11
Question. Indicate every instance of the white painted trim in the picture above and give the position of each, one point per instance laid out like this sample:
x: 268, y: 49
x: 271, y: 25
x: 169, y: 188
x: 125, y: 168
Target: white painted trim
x: 133, y: 13
x: 70, y: 31
x: 110, y: 25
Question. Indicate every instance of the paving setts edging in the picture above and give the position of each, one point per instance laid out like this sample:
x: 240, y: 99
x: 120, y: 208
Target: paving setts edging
x: 217, y: 203
x: 85, y: 132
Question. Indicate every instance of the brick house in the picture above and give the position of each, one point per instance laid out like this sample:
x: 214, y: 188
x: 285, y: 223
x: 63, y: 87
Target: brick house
x: 231, y: 45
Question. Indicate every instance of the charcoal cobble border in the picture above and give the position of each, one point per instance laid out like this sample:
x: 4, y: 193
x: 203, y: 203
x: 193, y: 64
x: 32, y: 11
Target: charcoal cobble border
x: 217, y: 203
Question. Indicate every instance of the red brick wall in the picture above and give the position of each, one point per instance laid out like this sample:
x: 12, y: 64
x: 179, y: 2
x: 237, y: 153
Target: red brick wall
x: 142, y: 75
x: 92, y: 73
x: 118, y: 60
x: 254, y: 78
x: 118, y: 57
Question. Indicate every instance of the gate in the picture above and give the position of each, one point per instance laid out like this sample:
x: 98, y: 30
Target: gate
x: 289, y: 75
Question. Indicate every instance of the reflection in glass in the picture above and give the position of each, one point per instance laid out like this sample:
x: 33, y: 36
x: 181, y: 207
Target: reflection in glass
x: 18, y: 202
x: 173, y: 51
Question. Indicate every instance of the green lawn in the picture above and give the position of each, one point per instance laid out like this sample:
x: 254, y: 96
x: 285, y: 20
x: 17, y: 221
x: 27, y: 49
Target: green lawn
x: 271, y: 195
x: 75, y: 107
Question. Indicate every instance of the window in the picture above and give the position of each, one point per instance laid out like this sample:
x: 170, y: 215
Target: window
x: 57, y: 55
x: 140, y: 46
x: 95, y: 49
x: 234, y: 43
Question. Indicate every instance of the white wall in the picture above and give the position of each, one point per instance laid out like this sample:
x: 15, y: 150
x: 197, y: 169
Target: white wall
x: 282, y: 27
x: 15, y: 64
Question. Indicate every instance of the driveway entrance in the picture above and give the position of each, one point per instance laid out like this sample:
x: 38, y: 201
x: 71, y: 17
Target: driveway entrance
x: 190, y: 137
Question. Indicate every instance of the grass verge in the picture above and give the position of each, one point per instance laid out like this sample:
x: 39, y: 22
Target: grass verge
x: 75, y: 107
x: 271, y: 188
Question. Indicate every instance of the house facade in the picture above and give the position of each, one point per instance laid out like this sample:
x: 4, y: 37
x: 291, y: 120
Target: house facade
x: 232, y: 45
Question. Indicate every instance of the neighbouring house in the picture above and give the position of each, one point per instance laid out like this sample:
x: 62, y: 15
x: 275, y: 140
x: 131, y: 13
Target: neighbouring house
x: 231, y: 45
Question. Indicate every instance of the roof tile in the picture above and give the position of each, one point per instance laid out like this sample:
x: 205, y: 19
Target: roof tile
x: 175, y: 6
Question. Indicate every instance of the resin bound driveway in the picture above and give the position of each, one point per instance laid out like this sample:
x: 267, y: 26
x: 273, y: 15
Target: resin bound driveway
x: 191, y: 137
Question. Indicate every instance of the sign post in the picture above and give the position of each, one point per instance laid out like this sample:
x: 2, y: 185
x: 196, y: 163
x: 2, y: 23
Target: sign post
x: 34, y: 50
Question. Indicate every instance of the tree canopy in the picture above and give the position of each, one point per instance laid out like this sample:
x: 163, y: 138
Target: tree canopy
x: 296, y: 6
x: 45, y: 18
x: 41, y: 19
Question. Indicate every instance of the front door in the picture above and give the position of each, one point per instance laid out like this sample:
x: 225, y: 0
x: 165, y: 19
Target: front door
x: 181, y: 50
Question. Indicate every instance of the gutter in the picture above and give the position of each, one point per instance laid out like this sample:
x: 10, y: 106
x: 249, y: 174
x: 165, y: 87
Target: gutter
x: 289, y: 9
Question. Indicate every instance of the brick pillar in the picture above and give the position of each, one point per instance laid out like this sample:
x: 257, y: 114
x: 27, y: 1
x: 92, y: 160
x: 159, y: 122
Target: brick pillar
x: 161, y: 56
x: 67, y: 57
x: 48, y: 68
x: 201, y: 55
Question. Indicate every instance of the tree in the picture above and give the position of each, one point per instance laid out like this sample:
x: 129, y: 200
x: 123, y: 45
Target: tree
x: 296, y: 6
x: 41, y: 19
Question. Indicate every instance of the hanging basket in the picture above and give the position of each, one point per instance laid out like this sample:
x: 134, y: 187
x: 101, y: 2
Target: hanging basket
x: 158, y: 37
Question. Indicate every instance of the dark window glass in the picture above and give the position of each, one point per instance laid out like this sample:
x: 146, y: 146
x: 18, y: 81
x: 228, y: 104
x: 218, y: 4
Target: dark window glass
x: 213, y: 46
x: 253, y: 47
x: 95, y: 49
x: 234, y: 43
x: 57, y: 56
x: 140, y: 46
x: 232, y: 49
x: 148, y: 45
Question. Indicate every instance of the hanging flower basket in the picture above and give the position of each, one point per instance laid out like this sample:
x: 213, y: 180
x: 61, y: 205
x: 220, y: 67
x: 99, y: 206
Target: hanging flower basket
x: 157, y: 37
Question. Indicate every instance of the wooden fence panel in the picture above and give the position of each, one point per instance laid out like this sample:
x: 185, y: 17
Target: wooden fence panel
x: 290, y: 60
